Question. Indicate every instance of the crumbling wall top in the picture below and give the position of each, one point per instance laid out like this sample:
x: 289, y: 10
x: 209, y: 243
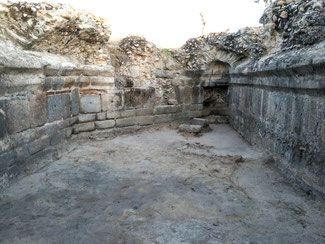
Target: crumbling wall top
x: 56, y: 28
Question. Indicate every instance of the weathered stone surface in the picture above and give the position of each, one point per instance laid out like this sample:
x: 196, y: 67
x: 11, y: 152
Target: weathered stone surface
x: 167, y: 109
x: 128, y: 113
x: 267, y: 111
x: 38, y: 110
x: 139, y: 97
x: 73, y: 120
x: 184, y: 94
x: 68, y: 132
x: 194, y: 107
x: 101, y: 116
x: 198, y: 53
x: 6, y: 159
x: 111, y: 101
x: 190, y: 128
x: 145, y: 120
x: 126, y: 122
x: 57, y: 138
x: 3, y: 127
x: 54, y: 108
x: 105, y: 124
x: 144, y: 111
x: 56, y: 28
x: 75, y: 102
x: 38, y: 145
x: 66, y: 102
x: 297, y: 23
x: 198, y: 121
x: 84, y: 127
x: 95, y: 70
x: 113, y: 115
x: 193, y: 114
x: 164, y: 118
x: 107, y: 82
x: 90, y: 104
x: 197, y: 94
x: 17, y: 115
x: 86, y: 118
x: 172, y: 102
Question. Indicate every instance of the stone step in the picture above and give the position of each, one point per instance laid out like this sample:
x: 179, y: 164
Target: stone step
x: 199, y: 121
x: 217, y: 119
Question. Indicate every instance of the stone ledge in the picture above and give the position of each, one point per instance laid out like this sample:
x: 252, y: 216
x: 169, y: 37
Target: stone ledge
x: 105, y: 124
x: 145, y: 120
x: 86, y: 118
x: 83, y: 127
x: 126, y: 122
x: 128, y: 113
x: 166, y: 109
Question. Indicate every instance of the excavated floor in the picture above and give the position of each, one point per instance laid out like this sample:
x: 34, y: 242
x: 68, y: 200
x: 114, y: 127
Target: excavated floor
x: 160, y: 187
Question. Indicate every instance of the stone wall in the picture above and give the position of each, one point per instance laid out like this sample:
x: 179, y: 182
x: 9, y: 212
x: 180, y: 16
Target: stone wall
x: 278, y: 103
x: 46, y: 99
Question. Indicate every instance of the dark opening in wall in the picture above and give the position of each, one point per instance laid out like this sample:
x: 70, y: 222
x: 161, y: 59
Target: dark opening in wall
x: 215, y: 81
x: 215, y: 96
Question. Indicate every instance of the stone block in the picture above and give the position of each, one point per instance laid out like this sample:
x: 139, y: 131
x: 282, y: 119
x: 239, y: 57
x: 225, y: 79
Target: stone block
x: 94, y: 70
x: 48, y: 129
x: 73, y: 120
x: 113, y: 115
x: 66, y: 103
x: 6, y: 159
x: 184, y: 94
x: 22, y: 152
x: 82, y: 81
x: 197, y: 94
x: 3, y: 127
x: 82, y: 118
x: 38, y: 110
x: 144, y: 111
x: 90, y: 104
x: 164, y: 118
x: 52, y: 71
x: 196, y: 107
x: 139, y: 97
x: 54, y: 108
x: 190, y: 128
x: 90, y: 126
x: 128, y: 113
x: 102, y: 81
x: 75, y: 102
x: 111, y: 101
x: 145, y: 120
x: 101, y: 116
x: 57, y: 83
x: 193, y: 114
x: 126, y: 122
x: 57, y: 138
x: 172, y: 101
x: 38, y: 145
x: 198, y: 121
x: 69, y: 82
x: 167, y: 109
x: 68, y: 132
x: 105, y: 124
x: 17, y: 115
